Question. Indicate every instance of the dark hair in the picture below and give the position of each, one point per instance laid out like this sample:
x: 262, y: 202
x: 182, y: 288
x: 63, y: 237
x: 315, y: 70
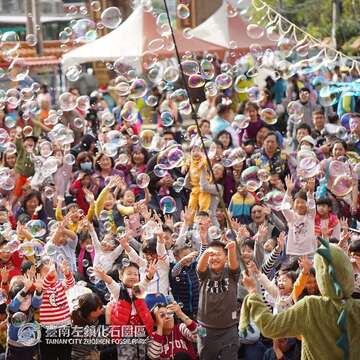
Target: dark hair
x: 178, y: 249
x: 300, y: 195
x: 319, y: 110
x: 222, y: 133
x: 202, y: 213
x: 248, y: 242
x: 271, y: 133
x: 98, y: 158
x: 29, y: 196
x: 355, y: 246
x: 149, y: 247
x: 169, y: 132
x: 217, y: 142
x: 167, y: 228
x: 292, y: 275
x: 25, y: 266
x: 304, y: 89
x: 122, y: 268
x: 324, y: 201
x: 143, y: 151
x: 81, y: 157
x: 251, y: 104
x: 268, y: 93
x: 220, y: 107
x: 343, y: 143
x: 23, y: 218
x: 217, y: 243
x: 87, y: 304
x: 304, y: 126
x: 203, y: 121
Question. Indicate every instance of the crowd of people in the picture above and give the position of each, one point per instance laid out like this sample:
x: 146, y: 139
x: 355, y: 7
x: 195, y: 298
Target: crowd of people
x: 121, y: 241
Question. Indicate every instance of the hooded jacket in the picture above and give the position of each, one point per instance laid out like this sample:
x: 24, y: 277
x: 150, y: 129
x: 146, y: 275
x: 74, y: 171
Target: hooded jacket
x: 329, y: 324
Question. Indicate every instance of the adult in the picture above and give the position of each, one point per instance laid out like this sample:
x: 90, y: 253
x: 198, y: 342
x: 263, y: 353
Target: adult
x: 224, y: 117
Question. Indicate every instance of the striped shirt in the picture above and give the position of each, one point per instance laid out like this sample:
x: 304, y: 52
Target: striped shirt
x: 55, y: 310
x: 179, y: 341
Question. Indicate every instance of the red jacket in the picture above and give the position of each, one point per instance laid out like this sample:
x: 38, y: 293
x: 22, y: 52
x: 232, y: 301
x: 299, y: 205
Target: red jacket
x: 121, y: 313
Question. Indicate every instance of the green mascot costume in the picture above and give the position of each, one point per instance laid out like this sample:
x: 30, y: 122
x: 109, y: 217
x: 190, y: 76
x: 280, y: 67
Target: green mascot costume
x: 329, y: 324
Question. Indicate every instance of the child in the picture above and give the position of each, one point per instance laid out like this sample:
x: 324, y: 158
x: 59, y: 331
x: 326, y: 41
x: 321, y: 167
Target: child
x: 241, y: 204
x: 301, y: 219
x: 105, y: 254
x: 65, y: 242
x: 184, y: 281
x: 130, y: 308
x: 55, y: 310
x: 24, y: 302
x: 327, y: 223
x: 219, y: 272
x: 281, y: 298
x: 89, y: 313
x: 172, y: 341
x: 24, y: 166
x: 152, y: 250
x: 306, y: 283
x: 199, y: 200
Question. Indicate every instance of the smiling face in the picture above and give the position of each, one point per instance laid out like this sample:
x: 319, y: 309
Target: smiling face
x: 130, y: 276
x: 217, y: 260
x: 105, y: 163
x: 285, y: 284
x: 129, y: 198
x: 31, y: 205
x: 338, y: 150
x: 300, y: 206
x: 247, y: 253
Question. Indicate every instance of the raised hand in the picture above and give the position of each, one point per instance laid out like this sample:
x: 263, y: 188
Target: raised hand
x: 152, y: 268
x: 248, y: 282
x: 305, y: 264
x: 310, y: 185
x: 38, y: 283
x: 252, y: 268
x: 28, y: 282
x: 289, y: 182
x: 282, y: 240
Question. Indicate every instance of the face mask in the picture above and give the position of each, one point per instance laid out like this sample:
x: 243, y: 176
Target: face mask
x: 306, y: 147
x: 86, y: 166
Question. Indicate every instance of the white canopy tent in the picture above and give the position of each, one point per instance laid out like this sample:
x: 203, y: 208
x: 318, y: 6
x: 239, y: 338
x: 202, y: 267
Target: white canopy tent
x: 222, y: 30
x: 131, y: 40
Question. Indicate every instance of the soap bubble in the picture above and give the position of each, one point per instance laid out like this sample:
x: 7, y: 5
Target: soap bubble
x: 31, y: 39
x: 167, y: 118
x: 125, y: 262
x: 69, y: 159
x: 179, y: 184
x: 39, y: 249
x: 151, y: 101
x: 142, y: 180
x: 45, y: 149
x: 159, y: 171
x: 240, y: 122
x: 190, y: 67
x: 67, y: 101
x: 37, y: 228
x: 149, y: 230
x: 85, y: 263
x: 138, y: 89
x: 51, y: 249
x: 223, y: 81
x: 254, y: 31
x: 167, y: 205
x: 129, y: 112
x: 110, y: 149
x: 295, y: 111
x: 214, y: 233
x: 196, y: 81
x: 18, y: 70
x: 146, y: 138
x: 18, y: 319
x: 207, y: 69
x: 49, y: 192
x: 268, y: 116
x: 50, y: 165
x: 342, y: 185
x: 182, y: 11
x: 111, y: 17
x: 338, y: 168
x: 249, y: 178
x: 139, y: 291
x: 27, y: 249
x: 210, y: 89
x: 274, y: 199
x: 27, y: 131
x: 171, y: 74
x: 233, y: 157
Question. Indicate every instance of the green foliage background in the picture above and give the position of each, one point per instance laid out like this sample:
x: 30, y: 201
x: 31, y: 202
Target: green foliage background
x: 315, y: 16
